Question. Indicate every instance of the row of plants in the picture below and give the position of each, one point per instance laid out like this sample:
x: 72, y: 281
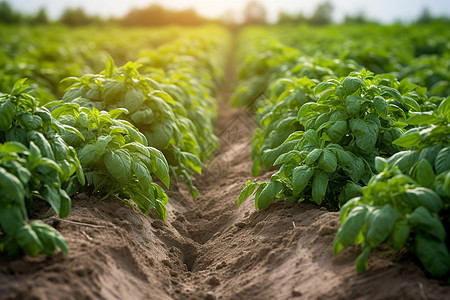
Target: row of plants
x: 47, y: 54
x: 114, y: 134
x: 369, y: 145
x: 173, y: 104
x: 419, y: 53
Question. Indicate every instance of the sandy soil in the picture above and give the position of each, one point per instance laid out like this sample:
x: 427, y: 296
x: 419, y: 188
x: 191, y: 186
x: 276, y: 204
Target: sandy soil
x: 209, y: 248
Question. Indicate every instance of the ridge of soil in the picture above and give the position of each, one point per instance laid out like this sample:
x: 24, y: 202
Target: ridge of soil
x: 208, y: 248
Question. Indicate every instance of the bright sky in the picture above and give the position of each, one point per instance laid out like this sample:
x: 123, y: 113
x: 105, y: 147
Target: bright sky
x: 382, y: 10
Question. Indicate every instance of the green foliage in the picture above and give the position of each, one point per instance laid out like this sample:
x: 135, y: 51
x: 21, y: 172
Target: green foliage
x: 175, y: 112
x: 333, y: 131
x: 35, y: 163
x: 108, y: 155
x: 115, y: 157
x: 408, y: 202
x: 47, y: 54
x: 351, y: 121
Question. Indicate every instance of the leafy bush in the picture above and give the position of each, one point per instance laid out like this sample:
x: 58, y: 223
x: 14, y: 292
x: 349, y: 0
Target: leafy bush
x: 35, y: 163
x: 408, y: 203
x: 352, y: 121
x: 115, y: 157
x: 160, y: 119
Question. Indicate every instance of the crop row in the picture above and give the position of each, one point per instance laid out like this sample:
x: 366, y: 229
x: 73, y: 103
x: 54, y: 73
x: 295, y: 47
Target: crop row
x: 419, y: 53
x: 344, y: 137
x: 117, y: 134
x: 47, y: 54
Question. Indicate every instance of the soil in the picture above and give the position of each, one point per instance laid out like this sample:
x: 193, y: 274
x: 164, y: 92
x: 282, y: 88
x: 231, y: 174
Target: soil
x: 209, y: 248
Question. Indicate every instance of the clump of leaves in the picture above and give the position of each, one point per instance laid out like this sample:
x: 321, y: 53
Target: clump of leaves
x: 408, y: 203
x: 151, y: 109
x: 35, y: 163
x: 115, y: 157
x: 352, y: 121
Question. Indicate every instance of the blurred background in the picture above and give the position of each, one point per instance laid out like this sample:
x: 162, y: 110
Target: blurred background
x: 231, y: 13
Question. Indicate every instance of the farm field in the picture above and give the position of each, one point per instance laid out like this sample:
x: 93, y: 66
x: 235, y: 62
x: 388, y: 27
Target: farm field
x: 144, y: 199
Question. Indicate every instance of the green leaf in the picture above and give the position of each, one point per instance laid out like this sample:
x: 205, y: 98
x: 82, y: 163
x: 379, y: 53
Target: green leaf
x: 444, y: 108
x: 353, y: 105
x: 344, y: 158
x: 134, y: 134
x: 193, y: 162
x: 411, y: 103
x: 323, y: 86
x: 269, y: 193
x: 421, y: 196
x: 429, y: 224
x: 423, y: 173
x: 351, y: 84
x: 408, y: 140
x: 306, y: 110
x: 7, y: 113
x: 160, y: 167
x: 134, y: 98
x: 88, y: 155
x: 423, y: 118
x: 112, y: 91
x: 400, y: 234
x: 433, y: 255
x: 29, y: 241
x: 337, y: 131
x: 142, y: 174
x: 380, y: 164
x: 313, y: 156
x: 19, y: 86
x: 300, y: 178
x: 430, y: 153
x: 74, y: 131
x: 366, y: 134
x: 42, y: 143
x: 350, y: 228
x: 160, y: 135
x: 250, y: 187
x: 404, y: 160
x: 349, y: 191
x: 311, y: 137
x: 52, y: 196
x: 270, y: 155
x: 164, y: 96
x: 101, y: 144
x: 361, y: 261
x: 10, y: 186
x: 13, y: 146
x: 356, y: 169
x: 319, y: 187
x: 49, y: 237
x: 109, y: 66
x: 286, y: 157
x: 392, y: 92
x: 115, y: 113
x: 442, y: 163
x: 29, y: 121
x: 66, y: 203
x: 118, y: 164
x: 381, y: 106
x: 380, y: 223
x: 327, y: 162
x: 11, y: 218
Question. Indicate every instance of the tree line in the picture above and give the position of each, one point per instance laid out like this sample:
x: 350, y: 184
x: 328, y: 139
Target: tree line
x: 254, y: 13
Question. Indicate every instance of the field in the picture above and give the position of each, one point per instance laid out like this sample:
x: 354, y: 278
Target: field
x: 277, y: 162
